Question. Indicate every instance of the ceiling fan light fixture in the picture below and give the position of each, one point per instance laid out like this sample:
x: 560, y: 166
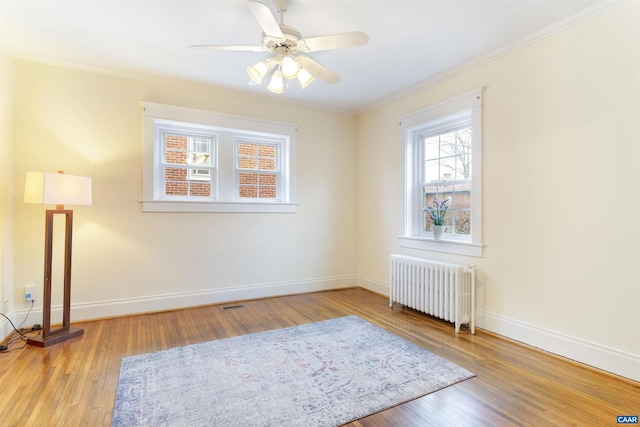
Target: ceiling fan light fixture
x: 305, y: 78
x: 258, y: 72
x: 287, y: 45
x: 277, y: 83
x: 289, y: 67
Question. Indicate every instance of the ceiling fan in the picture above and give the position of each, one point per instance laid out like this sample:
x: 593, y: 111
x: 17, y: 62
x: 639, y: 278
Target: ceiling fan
x: 288, y: 49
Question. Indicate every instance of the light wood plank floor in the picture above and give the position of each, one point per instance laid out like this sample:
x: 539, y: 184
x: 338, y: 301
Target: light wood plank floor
x: 74, y: 383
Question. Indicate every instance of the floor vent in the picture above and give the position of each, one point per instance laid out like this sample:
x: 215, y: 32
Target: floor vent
x: 232, y: 307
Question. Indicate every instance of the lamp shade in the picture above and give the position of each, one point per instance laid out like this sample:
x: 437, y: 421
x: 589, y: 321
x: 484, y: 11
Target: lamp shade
x: 57, y: 189
x: 277, y: 84
x: 304, y: 77
x: 289, y: 67
x: 261, y: 69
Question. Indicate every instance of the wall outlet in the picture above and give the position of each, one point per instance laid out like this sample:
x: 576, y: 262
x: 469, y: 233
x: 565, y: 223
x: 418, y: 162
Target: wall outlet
x: 30, y: 293
x: 5, y: 306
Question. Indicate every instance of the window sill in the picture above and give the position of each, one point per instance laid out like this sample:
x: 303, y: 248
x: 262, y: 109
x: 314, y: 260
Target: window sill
x: 448, y: 246
x: 204, y: 207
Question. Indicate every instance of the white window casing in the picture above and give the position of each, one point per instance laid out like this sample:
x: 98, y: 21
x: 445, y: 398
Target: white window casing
x: 446, y: 116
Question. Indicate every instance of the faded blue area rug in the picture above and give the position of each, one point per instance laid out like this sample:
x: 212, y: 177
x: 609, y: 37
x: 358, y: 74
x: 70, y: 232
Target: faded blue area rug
x: 320, y: 374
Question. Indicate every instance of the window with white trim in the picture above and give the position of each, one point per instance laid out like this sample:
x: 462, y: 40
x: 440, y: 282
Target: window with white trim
x: 441, y: 151
x: 199, y: 161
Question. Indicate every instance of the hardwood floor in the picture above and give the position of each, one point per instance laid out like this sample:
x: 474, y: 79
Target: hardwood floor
x: 74, y: 383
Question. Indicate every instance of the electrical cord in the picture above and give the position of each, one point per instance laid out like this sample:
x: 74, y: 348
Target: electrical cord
x: 18, y: 334
x: 26, y: 315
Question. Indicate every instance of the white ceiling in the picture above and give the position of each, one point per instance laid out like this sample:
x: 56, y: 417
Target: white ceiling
x: 410, y: 42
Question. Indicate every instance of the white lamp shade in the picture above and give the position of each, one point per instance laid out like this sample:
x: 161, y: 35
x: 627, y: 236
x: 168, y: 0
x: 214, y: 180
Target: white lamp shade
x: 277, y: 83
x: 290, y: 68
x: 305, y: 78
x: 52, y: 188
x: 260, y: 70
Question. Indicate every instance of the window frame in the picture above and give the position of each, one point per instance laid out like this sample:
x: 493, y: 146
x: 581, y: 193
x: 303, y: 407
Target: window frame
x: 227, y: 129
x: 436, y: 120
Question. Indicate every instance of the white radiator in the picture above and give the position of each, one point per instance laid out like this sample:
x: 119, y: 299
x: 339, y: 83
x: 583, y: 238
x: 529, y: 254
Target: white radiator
x: 442, y: 290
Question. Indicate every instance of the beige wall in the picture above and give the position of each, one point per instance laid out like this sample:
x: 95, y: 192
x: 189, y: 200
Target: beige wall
x: 6, y: 182
x: 561, y: 188
x: 128, y: 261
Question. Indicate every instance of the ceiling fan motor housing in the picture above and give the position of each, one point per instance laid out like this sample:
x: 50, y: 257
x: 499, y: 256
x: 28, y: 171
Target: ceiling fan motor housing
x: 290, y: 40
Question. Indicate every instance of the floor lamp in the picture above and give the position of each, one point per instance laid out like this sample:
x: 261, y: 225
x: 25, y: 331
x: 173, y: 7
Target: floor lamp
x: 57, y: 189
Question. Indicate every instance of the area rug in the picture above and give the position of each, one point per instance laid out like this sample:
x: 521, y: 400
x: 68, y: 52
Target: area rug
x: 320, y: 374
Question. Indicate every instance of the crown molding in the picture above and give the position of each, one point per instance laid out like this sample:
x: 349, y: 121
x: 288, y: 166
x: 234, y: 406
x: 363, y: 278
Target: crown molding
x: 532, y: 38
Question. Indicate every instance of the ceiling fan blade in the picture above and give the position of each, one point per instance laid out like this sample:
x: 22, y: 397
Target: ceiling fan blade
x: 317, y: 70
x: 334, y: 41
x: 231, y: 48
x: 265, y: 18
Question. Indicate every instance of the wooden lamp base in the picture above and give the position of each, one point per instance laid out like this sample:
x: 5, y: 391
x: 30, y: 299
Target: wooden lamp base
x: 55, y: 337
x: 50, y: 336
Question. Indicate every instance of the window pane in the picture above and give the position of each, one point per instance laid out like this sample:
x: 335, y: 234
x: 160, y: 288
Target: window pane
x: 175, y: 149
x: 247, y: 163
x: 432, y: 148
x: 248, y: 178
x: 463, y: 166
x: 447, y: 144
x: 267, y: 151
x: 463, y: 222
x: 464, y: 141
x: 461, y: 196
x: 463, y: 150
x: 267, y: 179
x: 202, y: 145
x: 245, y: 149
x: 200, y: 189
x: 267, y: 192
x: 447, y: 169
x: 249, y: 191
x: 267, y: 164
x: 432, y: 170
x: 248, y: 185
x: 448, y: 220
x: 176, y: 174
x: 267, y: 189
x: 176, y: 182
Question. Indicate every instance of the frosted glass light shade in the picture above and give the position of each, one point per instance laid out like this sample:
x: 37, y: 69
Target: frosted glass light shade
x: 289, y: 67
x: 260, y: 70
x: 277, y: 83
x: 52, y: 188
x: 305, y: 78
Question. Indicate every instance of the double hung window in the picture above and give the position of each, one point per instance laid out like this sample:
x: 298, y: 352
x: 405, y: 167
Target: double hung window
x: 441, y: 148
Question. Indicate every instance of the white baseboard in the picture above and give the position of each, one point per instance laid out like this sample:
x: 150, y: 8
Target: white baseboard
x: 599, y: 356
x: 127, y: 306
x: 611, y: 360
x: 373, y: 285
